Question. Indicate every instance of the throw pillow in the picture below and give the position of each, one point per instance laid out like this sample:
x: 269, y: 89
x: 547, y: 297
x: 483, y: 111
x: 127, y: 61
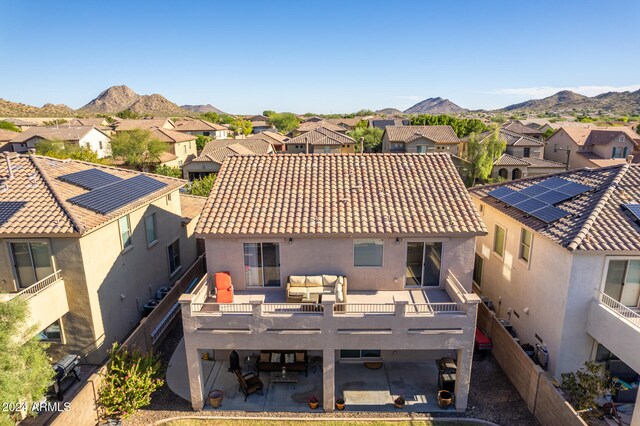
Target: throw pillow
x: 313, y: 281
x: 329, y: 280
x: 299, y: 356
x: 275, y: 358
x: 288, y: 358
x: 339, y: 294
x: 264, y: 356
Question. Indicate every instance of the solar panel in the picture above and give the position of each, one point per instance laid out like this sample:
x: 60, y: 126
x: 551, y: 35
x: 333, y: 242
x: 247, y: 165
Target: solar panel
x: 534, y: 190
x: 530, y: 205
x: 108, y: 198
x: 572, y: 189
x: 634, y: 209
x: 552, y: 197
x: 553, y: 183
x: 549, y: 214
x: 501, y: 192
x: 90, y: 178
x: 514, y: 198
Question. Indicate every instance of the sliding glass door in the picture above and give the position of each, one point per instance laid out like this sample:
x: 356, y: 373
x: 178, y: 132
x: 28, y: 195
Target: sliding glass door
x: 423, y: 264
x: 262, y: 264
x: 622, y: 282
x: 31, y: 261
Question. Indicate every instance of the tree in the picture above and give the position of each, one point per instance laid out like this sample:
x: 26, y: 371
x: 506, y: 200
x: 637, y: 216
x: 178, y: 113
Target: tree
x: 284, y: 121
x: 462, y: 126
x: 137, y: 148
x: 202, y: 186
x: 168, y: 171
x: 372, y: 138
x: 61, y: 149
x: 268, y: 112
x: 55, y: 122
x: 26, y: 372
x: 7, y: 125
x: 241, y: 126
x: 129, y: 381
x: 201, y: 141
x: 547, y: 134
x: 128, y: 114
x: 586, y: 385
x: 481, y: 154
x: 210, y: 116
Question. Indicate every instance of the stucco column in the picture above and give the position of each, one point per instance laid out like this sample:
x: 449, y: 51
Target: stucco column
x: 328, y: 379
x: 635, y: 419
x: 194, y: 367
x: 463, y: 376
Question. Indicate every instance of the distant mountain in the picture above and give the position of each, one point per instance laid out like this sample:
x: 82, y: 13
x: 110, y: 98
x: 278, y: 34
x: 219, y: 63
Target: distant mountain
x: 15, y: 109
x: 201, y: 109
x: 389, y: 111
x: 435, y: 106
x: 118, y: 98
x: 568, y: 101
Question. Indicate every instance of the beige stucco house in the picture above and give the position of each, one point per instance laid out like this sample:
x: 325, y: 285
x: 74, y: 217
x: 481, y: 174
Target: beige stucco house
x: 320, y: 140
x: 199, y: 127
x: 351, y: 258
x: 143, y: 123
x: 181, y: 147
x: 88, y: 245
x: 421, y: 139
x: 571, y: 284
x: 83, y: 136
x: 590, y: 146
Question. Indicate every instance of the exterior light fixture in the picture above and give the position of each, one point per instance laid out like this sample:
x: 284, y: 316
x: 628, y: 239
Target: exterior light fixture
x: 290, y: 241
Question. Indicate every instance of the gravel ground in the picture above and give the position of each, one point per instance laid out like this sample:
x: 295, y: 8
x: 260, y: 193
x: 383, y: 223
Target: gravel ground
x: 491, y: 397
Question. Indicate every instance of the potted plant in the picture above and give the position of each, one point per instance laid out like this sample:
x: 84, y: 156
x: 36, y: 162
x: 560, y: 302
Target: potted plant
x: 399, y: 402
x: 313, y: 402
x: 340, y: 403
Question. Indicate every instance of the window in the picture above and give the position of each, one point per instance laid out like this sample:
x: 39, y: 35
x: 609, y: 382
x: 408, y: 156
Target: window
x: 498, y: 240
x: 423, y: 264
x: 326, y: 149
x: 150, y: 226
x: 422, y: 149
x: 184, y: 149
x: 525, y: 245
x: 622, y: 281
x: 125, y: 232
x: 527, y: 153
x: 367, y: 252
x: 359, y: 353
x: 262, y: 264
x: 53, y: 333
x: 619, y: 152
x: 100, y: 144
x: 205, y: 133
x: 174, y: 256
x: 621, y: 138
x: 169, y: 198
x: 478, y: 264
x: 31, y: 261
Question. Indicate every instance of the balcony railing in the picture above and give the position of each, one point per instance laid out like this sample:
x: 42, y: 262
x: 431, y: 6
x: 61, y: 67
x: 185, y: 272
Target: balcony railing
x: 435, y: 308
x: 620, y: 309
x: 39, y: 286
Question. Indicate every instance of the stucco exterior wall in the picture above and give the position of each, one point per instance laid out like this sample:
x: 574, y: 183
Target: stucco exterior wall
x: 606, y: 151
x: 518, y: 151
x: 98, y: 142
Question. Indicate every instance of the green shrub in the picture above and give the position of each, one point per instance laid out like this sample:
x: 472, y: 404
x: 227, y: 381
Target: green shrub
x: 586, y: 385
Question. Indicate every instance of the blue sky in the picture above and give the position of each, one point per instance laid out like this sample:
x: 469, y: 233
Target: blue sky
x: 322, y: 56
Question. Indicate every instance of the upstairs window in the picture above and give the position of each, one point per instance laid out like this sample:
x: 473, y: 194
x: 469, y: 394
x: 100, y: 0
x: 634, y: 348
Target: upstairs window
x: 525, y: 245
x: 368, y: 252
x: 619, y: 152
x: 527, y: 153
x: 125, y: 231
x: 150, y: 226
x: 499, y: 237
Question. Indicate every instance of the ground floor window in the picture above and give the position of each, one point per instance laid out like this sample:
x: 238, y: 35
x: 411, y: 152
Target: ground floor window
x: 53, y: 333
x: 478, y: 264
x: 359, y: 353
x: 173, y: 251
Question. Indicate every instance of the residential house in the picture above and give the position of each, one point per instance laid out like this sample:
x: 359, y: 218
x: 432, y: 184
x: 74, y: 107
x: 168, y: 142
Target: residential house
x: 523, y: 157
x: 517, y: 127
x: 87, y: 246
x: 308, y: 126
x: 20, y: 123
x: 260, y: 123
x: 421, y: 139
x: 347, y: 123
x: 215, y: 152
x: 385, y: 243
x: 181, y: 147
x: 84, y: 136
x: 5, y: 139
x: 143, y: 123
x: 383, y: 123
x: 276, y: 139
x: 99, y: 122
x: 202, y: 128
x: 590, y: 146
x: 321, y: 141
x: 561, y: 263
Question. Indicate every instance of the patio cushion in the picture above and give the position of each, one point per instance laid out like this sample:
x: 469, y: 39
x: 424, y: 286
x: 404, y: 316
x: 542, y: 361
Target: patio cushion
x: 339, y: 293
x: 316, y: 290
x: 264, y: 356
x: 329, y: 280
x: 314, y: 281
x: 299, y: 356
x: 297, y: 280
x: 275, y: 357
x: 298, y: 291
x: 289, y: 358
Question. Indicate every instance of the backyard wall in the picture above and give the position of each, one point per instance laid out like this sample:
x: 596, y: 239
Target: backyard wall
x: 542, y: 398
x: 84, y: 410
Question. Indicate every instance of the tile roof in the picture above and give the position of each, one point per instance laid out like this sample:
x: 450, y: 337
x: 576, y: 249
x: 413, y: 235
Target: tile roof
x: 219, y: 149
x: 35, y: 201
x: 321, y: 136
x: 591, y: 135
x: 510, y: 160
x: 20, y: 122
x: 7, y: 135
x: 437, y: 134
x: 191, y: 206
x: 190, y: 125
x: 61, y: 133
x: 517, y: 139
x: 145, y: 123
x: 597, y: 221
x: 307, y: 126
x: 542, y: 163
x: 171, y: 136
x: 517, y: 127
x: 274, y: 138
x: 351, y: 122
x: 97, y: 122
x: 339, y: 195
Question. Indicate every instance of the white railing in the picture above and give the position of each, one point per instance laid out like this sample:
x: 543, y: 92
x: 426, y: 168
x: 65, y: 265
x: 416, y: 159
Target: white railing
x: 39, y: 286
x: 291, y: 308
x: 364, y: 308
x: 435, y: 308
x: 620, y: 309
x: 226, y: 308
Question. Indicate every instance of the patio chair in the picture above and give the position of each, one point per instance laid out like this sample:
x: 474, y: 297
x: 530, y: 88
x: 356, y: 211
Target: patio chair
x: 249, y: 383
x: 224, y: 288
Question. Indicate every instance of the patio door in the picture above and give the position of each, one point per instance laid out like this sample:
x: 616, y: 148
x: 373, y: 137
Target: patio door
x: 262, y: 264
x: 423, y: 264
x: 622, y: 282
x: 31, y: 261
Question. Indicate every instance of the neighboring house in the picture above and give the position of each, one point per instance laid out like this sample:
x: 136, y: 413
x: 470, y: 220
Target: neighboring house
x: 308, y: 126
x: 564, y: 267
x: 95, y: 122
x: 260, y: 123
x: 382, y: 237
x: 383, y: 123
x: 346, y: 123
x: 214, y: 153
x: 145, y: 123
x: 588, y: 146
x: 202, y: 128
x: 321, y: 141
x: 84, y: 136
x: 5, y: 139
x: 517, y: 127
x: 181, y: 147
x: 274, y: 138
x: 421, y: 139
x: 20, y: 123
x: 87, y: 246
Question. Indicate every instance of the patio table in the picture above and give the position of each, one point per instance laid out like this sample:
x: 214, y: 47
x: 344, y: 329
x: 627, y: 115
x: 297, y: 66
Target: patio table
x: 288, y: 377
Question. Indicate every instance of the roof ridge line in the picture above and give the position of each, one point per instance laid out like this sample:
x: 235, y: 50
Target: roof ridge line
x: 63, y: 204
x: 588, y: 223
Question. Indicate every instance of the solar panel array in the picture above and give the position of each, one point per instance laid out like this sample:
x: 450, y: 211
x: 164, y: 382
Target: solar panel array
x: 90, y: 178
x: 111, y: 197
x: 538, y: 200
x: 633, y: 209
